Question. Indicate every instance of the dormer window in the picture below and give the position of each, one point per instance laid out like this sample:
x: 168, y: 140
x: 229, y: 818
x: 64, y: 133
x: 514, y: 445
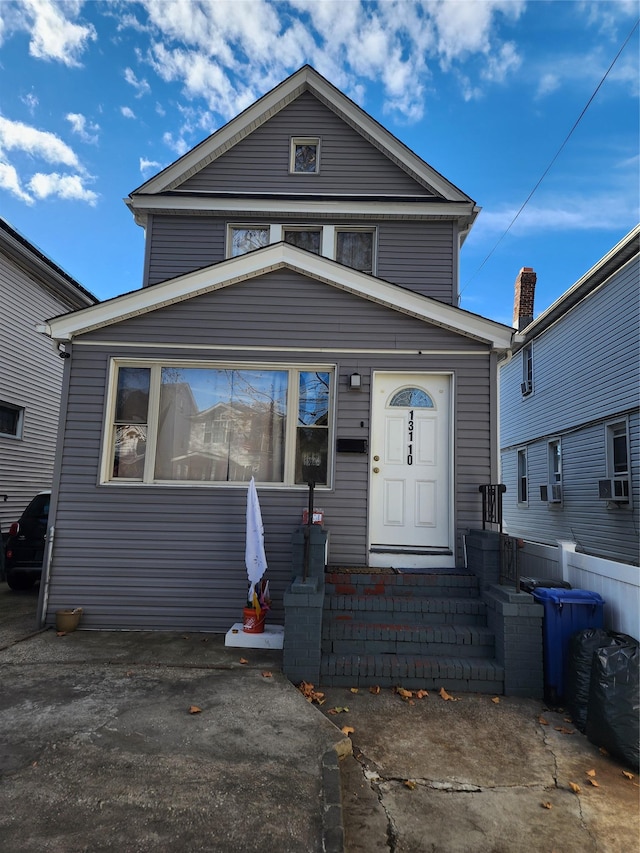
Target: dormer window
x: 305, y: 156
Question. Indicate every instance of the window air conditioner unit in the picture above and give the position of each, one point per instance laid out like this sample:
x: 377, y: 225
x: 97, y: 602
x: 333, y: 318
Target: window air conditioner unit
x: 551, y: 493
x: 614, y: 489
x: 526, y: 388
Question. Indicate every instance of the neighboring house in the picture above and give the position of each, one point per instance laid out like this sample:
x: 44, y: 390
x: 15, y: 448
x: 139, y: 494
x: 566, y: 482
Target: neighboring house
x: 31, y: 287
x: 569, y: 413
x: 298, y: 322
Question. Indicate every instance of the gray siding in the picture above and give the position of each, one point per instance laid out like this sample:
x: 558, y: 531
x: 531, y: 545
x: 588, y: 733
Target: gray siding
x: 30, y: 377
x: 417, y: 255
x: 586, y: 370
x: 585, y: 367
x: 173, y: 557
x: 596, y: 527
x: 349, y: 164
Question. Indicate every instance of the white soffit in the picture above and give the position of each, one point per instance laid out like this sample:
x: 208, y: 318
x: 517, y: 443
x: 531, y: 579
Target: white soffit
x: 269, y: 259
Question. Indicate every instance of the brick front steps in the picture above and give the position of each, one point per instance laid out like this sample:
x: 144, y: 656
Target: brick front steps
x: 411, y: 629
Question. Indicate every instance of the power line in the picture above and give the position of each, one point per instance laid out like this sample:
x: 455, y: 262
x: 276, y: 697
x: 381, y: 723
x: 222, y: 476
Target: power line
x: 555, y: 157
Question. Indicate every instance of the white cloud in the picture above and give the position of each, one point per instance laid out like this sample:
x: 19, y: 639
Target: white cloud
x: 61, y: 186
x: 85, y: 129
x: 54, y: 34
x: 30, y: 101
x: 549, y: 82
x: 10, y: 181
x: 229, y: 60
x: 147, y: 166
x: 15, y: 135
x: 142, y: 87
x: 127, y: 112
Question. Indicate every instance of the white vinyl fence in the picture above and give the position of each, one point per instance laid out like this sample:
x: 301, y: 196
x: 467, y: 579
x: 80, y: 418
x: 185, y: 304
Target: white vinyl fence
x: 617, y: 583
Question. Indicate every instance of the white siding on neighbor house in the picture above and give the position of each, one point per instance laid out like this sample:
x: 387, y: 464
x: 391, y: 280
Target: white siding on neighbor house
x: 173, y: 557
x: 30, y: 377
x: 586, y: 372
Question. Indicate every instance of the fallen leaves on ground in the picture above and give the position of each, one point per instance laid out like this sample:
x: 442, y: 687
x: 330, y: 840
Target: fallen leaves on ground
x: 354, y: 689
x: 628, y: 775
x: 543, y: 721
x: 244, y: 661
x: 446, y: 696
x: 402, y: 693
x: 410, y: 784
x: 575, y: 788
x: 591, y: 772
x: 594, y: 783
x: 375, y: 689
x: 565, y: 731
x: 266, y: 674
x: 347, y: 730
x: 496, y: 700
x: 337, y: 710
x: 546, y: 805
x: 311, y: 695
x: 193, y: 709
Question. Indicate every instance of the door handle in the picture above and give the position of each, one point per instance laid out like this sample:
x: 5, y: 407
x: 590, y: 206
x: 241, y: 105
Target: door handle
x: 376, y: 458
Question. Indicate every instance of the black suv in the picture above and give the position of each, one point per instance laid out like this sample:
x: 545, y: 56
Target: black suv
x: 24, y: 551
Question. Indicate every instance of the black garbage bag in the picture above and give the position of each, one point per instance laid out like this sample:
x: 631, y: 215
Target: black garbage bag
x: 613, y: 712
x: 582, y: 645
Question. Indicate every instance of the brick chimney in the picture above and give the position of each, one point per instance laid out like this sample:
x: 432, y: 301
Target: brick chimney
x: 523, y: 302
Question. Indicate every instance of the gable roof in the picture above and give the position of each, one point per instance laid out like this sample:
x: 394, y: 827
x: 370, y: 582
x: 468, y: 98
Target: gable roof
x: 37, y: 265
x: 274, y: 257
x: 306, y: 79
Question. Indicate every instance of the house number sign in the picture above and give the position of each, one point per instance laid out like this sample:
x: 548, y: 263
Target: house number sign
x: 410, y: 445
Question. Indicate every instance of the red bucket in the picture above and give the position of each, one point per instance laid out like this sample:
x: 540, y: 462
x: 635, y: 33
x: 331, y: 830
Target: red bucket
x: 251, y: 622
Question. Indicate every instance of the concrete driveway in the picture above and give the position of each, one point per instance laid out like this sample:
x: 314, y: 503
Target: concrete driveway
x: 99, y: 752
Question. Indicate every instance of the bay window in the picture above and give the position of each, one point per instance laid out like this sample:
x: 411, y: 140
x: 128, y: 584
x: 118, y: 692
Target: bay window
x: 215, y: 423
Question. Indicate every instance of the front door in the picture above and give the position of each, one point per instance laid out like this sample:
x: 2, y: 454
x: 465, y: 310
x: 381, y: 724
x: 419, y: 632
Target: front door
x: 410, y: 518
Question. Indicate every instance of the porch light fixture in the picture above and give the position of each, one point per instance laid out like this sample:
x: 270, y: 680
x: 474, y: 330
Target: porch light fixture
x: 355, y: 381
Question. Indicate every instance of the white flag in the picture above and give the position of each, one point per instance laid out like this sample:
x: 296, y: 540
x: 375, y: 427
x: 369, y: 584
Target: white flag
x: 255, y: 557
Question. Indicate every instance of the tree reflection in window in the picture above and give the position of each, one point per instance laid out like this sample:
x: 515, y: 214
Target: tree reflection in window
x: 312, y: 439
x: 414, y: 398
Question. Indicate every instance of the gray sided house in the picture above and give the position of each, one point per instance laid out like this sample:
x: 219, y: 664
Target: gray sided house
x: 298, y: 322
x: 569, y: 413
x: 32, y: 286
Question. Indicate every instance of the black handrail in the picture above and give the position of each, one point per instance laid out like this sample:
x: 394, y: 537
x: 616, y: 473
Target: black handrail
x: 492, y: 504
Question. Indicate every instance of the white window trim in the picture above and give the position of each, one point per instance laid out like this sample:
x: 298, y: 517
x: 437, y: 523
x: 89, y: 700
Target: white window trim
x: 522, y: 450
x: 526, y: 386
x: 550, y: 470
x: 610, y: 427
x: 17, y: 435
x: 155, y: 365
x: 328, y: 235
x: 303, y: 140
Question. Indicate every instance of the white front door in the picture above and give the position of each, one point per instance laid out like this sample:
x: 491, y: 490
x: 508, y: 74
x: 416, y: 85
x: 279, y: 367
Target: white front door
x: 410, y: 517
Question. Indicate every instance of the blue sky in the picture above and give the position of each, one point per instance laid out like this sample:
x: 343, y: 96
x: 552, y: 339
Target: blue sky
x: 96, y: 97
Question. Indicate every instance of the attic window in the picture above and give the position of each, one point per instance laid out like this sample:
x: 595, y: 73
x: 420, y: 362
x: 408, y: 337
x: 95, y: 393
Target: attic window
x: 305, y: 156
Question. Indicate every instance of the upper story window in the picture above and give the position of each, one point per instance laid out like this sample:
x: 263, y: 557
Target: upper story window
x: 11, y: 420
x: 219, y: 423
x: 305, y: 156
x: 352, y: 246
x: 527, y: 370
x: 304, y: 238
x: 247, y: 238
x: 617, y: 449
x: 555, y: 461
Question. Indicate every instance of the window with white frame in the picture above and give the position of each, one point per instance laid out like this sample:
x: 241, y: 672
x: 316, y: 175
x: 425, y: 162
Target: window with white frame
x: 11, y: 420
x: 617, y: 450
x: 304, y: 156
x: 352, y: 246
x: 527, y: 370
x: 554, y: 451
x: 202, y: 422
x: 246, y: 238
x: 522, y: 476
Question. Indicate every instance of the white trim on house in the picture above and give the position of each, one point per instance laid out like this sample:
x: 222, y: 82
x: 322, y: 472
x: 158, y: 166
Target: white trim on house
x: 306, y: 79
x: 269, y: 259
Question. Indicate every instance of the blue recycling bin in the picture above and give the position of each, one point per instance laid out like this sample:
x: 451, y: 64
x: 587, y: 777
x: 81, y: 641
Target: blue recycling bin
x: 565, y: 612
